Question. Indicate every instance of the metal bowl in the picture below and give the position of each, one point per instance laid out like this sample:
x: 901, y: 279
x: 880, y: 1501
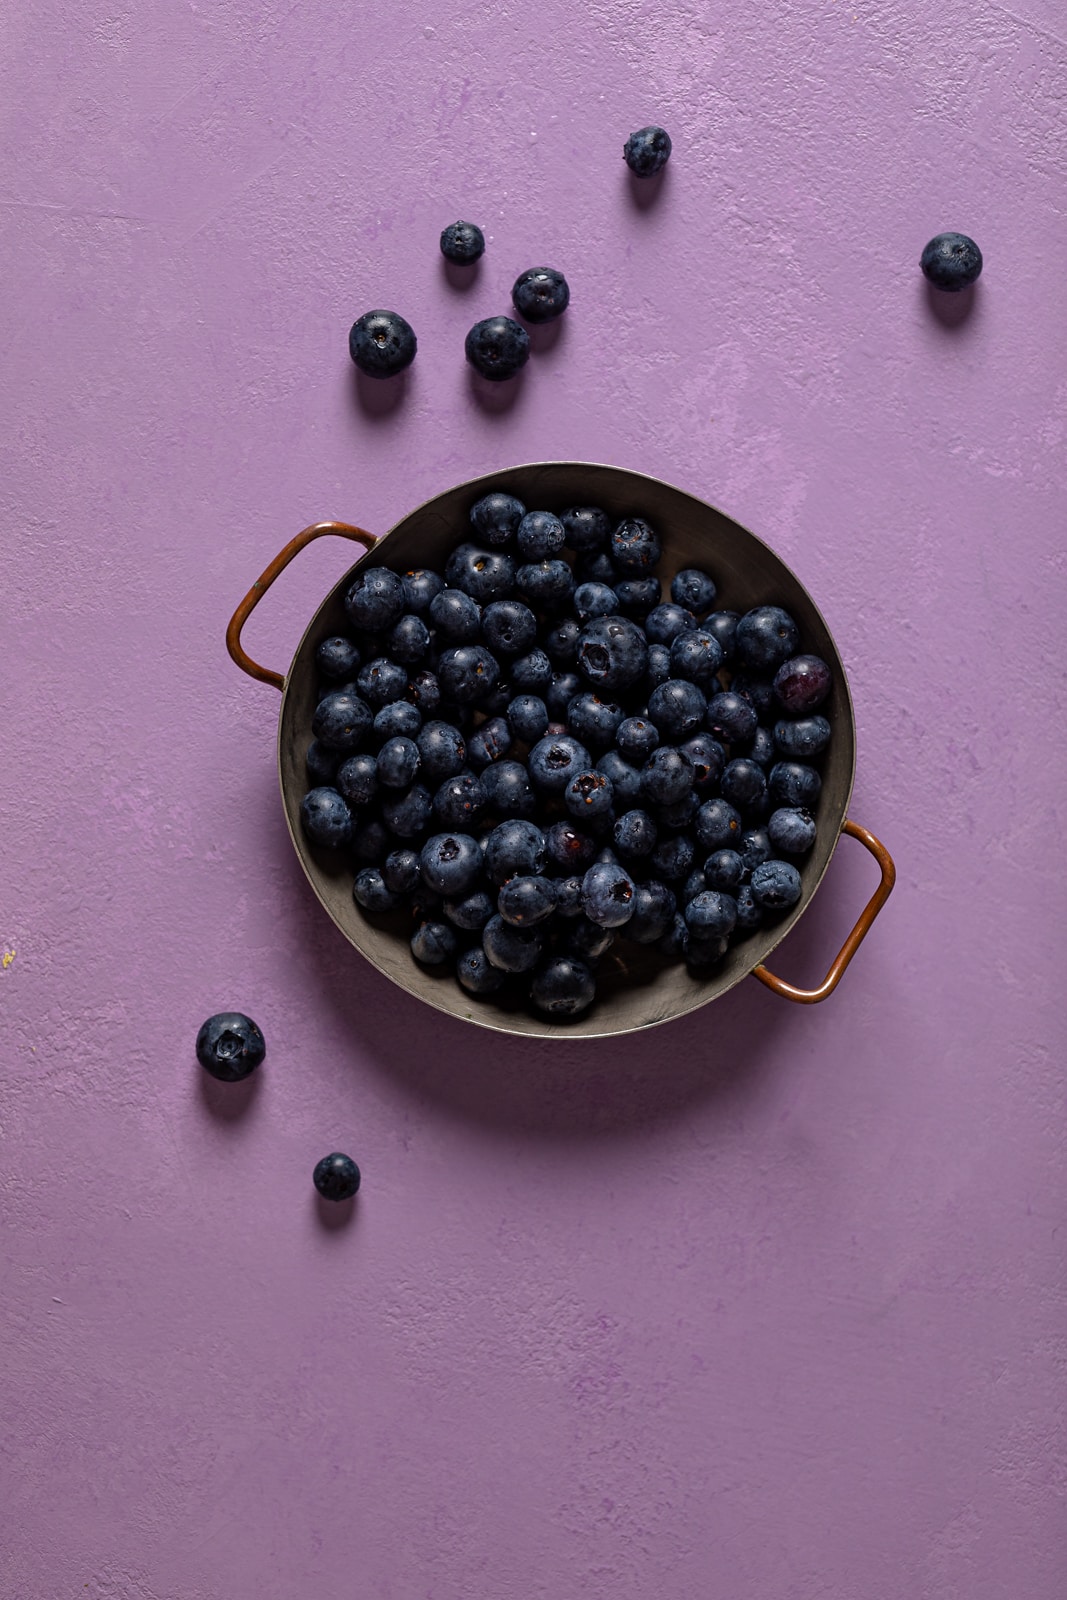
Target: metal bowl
x: 636, y: 987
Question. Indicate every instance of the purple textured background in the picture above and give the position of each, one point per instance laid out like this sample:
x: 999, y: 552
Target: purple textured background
x: 769, y: 1302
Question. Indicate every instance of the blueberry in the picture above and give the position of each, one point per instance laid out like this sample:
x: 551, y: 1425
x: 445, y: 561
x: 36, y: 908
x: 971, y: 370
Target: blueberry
x: 762, y: 750
x: 525, y: 902
x: 595, y: 566
x: 792, y: 783
x: 801, y: 684
x: 585, y: 527
x: 723, y: 870
x: 800, y: 740
x: 532, y: 674
x: 951, y: 261
x: 540, y: 535
x: 731, y: 717
x: 468, y: 673
x: 341, y: 720
x: 625, y: 779
x: 677, y: 708
x: 612, y: 653
x: 456, y: 617
x: 322, y: 763
x: 595, y: 600
x: 675, y: 941
x: 766, y: 636
x: 592, y: 720
x: 607, y: 894
x: 718, y: 825
x: 510, y: 949
x: 497, y: 348
x: 528, y: 718
x: 229, y: 1046
x: 665, y: 622
x: 791, y: 830
x: 754, y: 848
x: 569, y: 898
x: 398, y: 763
x: 588, y: 797
x: 636, y: 738
x: 635, y: 834
x: 708, y: 758
x: 398, y: 720
x: 666, y: 776
x: 370, y: 891
x: 776, y: 885
x: 382, y: 343
x: 460, y: 800
x: 547, y: 583
x: 515, y: 848
x: 695, y: 884
x: 400, y: 871
x: 442, y: 750
x: 693, y: 589
x: 409, y: 640
x: 654, y: 907
x: 561, y: 642
x: 463, y: 243
x: 673, y: 858
x: 564, y: 688
x: 488, y: 743
x: 336, y: 1177
x: 485, y: 575
x: 420, y: 587
x: 326, y: 818
x: 433, y: 943
x: 450, y: 864
x: 472, y: 912
x: 679, y: 813
x: 697, y: 655
x: 635, y: 547
x: 371, y: 842
x: 638, y: 596
x: 659, y: 666
x: 540, y: 294
x: 749, y: 913
x: 554, y: 761
x: 508, y: 792
x: 424, y: 692
x: 475, y: 973
x: 563, y: 987
x: 723, y: 625
x: 744, y: 784
x: 407, y: 812
x: 496, y: 517
x: 337, y: 657
x: 382, y: 681
x: 711, y: 915
x: 647, y: 151
x: 568, y: 848
x: 587, y: 940
x: 375, y: 600
x: 508, y: 627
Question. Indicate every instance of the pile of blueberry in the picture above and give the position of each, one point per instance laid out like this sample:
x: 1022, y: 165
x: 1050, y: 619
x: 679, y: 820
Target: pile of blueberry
x: 533, y: 756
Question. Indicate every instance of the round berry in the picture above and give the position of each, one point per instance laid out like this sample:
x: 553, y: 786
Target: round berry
x: 382, y: 343
x: 647, y: 151
x: 336, y: 1177
x: 462, y: 243
x: 802, y: 683
x: 497, y: 348
x: 540, y: 294
x: 229, y: 1046
x: 951, y: 261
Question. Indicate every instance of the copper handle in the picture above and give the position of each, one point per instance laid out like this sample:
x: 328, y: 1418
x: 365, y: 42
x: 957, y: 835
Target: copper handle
x: 263, y: 583
x: 808, y: 997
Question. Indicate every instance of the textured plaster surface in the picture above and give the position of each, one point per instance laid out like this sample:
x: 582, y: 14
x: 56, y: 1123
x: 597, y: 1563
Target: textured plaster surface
x: 768, y: 1303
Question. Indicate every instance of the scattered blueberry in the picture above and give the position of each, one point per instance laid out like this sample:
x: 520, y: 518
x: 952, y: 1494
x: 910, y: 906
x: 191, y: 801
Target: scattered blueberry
x: 336, y: 1177
x: 497, y: 348
x: 382, y: 343
x: 951, y: 261
x: 647, y: 151
x: 229, y: 1046
x: 463, y: 243
x: 540, y: 294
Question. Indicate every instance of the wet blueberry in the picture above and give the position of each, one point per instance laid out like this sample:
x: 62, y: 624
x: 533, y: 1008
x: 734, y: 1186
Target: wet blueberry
x: 693, y: 589
x: 532, y: 674
x: 762, y: 748
x: 673, y: 858
x: 450, y: 864
x: 634, y: 547
x: 424, y: 692
x: 382, y: 343
x: 731, y: 718
x: 659, y: 666
x: 697, y: 655
x: 776, y: 885
x: 472, y: 912
x: 508, y: 627
x: 677, y: 708
x: 625, y: 779
x: 588, y: 797
x: 229, y: 1046
x: 409, y: 640
x: 511, y: 949
x: 636, y: 738
x: 400, y: 871
x: 711, y: 915
x: 724, y: 870
x: 708, y: 758
x: 585, y: 528
x: 420, y: 586
x: 647, y: 151
x: 565, y: 686
x: 567, y: 848
x: 488, y: 743
x: 766, y: 636
x: 496, y: 517
x: 754, y: 849
x: 800, y: 740
x: 398, y: 720
x: 337, y: 657
x: 508, y: 792
x: 463, y: 243
x: 723, y: 626
x: 515, y: 848
x: 638, y: 596
x: 528, y: 717
x: 476, y: 974
x: 595, y: 600
x: 718, y: 825
x: 382, y: 681
x: 336, y: 1177
x: 457, y: 618
x: 497, y: 348
x: 547, y: 583
x: 561, y: 642
x: 612, y: 653
x: 793, y: 783
x: 433, y: 943
x: 326, y: 819
x: 407, y: 812
x: 635, y: 834
x: 398, y: 763
x: 554, y: 761
x: 460, y: 800
x: 540, y: 294
x: 468, y: 673
x: 654, y: 908
x: 744, y: 785
x: 667, y: 776
x: 749, y: 913
x: 665, y: 622
x: 592, y: 720
x: 563, y: 987
x: 525, y: 902
x: 540, y: 535
x: 341, y: 720
x: 442, y: 750
x: 485, y: 575
x: 951, y: 261
x: 791, y: 830
x: 370, y: 891
x: 607, y: 895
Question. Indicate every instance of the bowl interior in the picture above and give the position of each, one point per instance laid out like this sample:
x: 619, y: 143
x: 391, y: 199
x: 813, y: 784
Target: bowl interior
x: 635, y: 986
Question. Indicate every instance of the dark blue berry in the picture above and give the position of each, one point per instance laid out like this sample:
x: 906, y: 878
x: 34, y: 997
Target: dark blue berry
x: 546, y: 583
x: 792, y: 783
x: 665, y: 622
x: 744, y: 784
x: 407, y: 812
x: 420, y: 586
x: 457, y: 618
x: 635, y: 834
x: 569, y: 897
x: 450, y: 864
x: 508, y: 627
x: 463, y: 243
x: 476, y: 974
x: 336, y: 1177
x: 951, y: 261
x: 561, y: 691
x: 511, y: 949
x: 485, y: 575
x: 588, y: 796
x: 409, y: 640
x: 229, y: 1046
x: 528, y: 717
x: 749, y: 913
x: 468, y: 673
x: 766, y: 636
x: 800, y: 740
x: 659, y: 666
x: 708, y: 758
x: 724, y: 870
x: 326, y: 819
x: 654, y: 908
x: 595, y: 600
x: 711, y: 915
x: 371, y: 891
x: 341, y: 720
x: 382, y: 681
x: 496, y: 517
x: 508, y: 792
x: 375, y: 600
x: 612, y: 653
x: 636, y: 738
x: 592, y: 720
x: 525, y: 902
x: 322, y: 763
x: 337, y: 657
x: 607, y: 894
x: 762, y: 749
x: 697, y: 655
x: 754, y: 849
x: 677, y: 708
x: 424, y: 692
x: 563, y: 987
x: 554, y: 761
x: 718, y: 825
x: 400, y: 871
x: 433, y: 943
x: 489, y: 743
x: 635, y: 547
x: 568, y: 848
x: 693, y: 589
x: 561, y: 642
x: 442, y: 750
x: 497, y: 348
x: 801, y: 684
x: 647, y: 151
x: 472, y: 912
x: 673, y: 858
x: 723, y: 626
x: 398, y: 763
x: 515, y: 848
x: 540, y: 294
x: 666, y: 776
x: 776, y: 885
x: 398, y: 720
x: 585, y: 527
x: 540, y: 535
x: 638, y: 596
x: 731, y: 717
x: 460, y: 800
x: 588, y: 940
x: 791, y: 830
x: 382, y: 343
x: 532, y: 673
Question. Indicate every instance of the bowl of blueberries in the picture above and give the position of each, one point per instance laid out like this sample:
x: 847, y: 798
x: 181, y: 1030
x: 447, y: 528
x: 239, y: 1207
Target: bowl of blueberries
x: 567, y: 751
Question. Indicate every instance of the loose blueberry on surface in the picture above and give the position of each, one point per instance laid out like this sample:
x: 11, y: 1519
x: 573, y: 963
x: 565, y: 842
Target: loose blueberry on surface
x: 647, y: 151
x: 540, y: 294
x: 462, y: 243
x: 382, y: 343
x: 951, y: 261
x: 326, y: 819
x: 229, y: 1046
x: 497, y: 348
x: 336, y: 1177
x: 563, y: 987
